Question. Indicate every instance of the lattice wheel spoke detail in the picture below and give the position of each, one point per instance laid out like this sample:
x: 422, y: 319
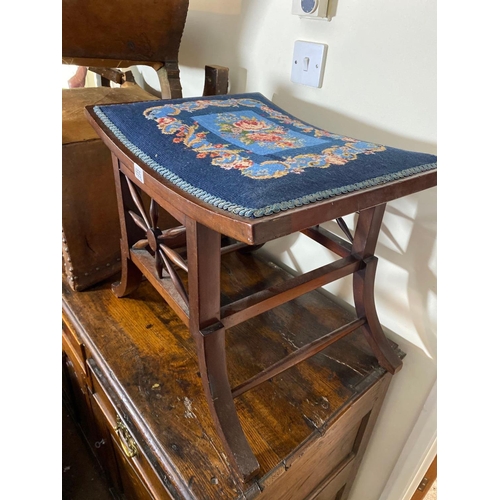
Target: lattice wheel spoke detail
x: 174, y: 257
x: 345, y: 229
x: 159, y: 265
x: 174, y: 276
x: 171, y: 233
x: 165, y: 257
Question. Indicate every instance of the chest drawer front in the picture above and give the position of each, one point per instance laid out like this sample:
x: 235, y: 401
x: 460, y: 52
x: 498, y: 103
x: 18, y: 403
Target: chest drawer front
x: 74, y: 363
x: 77, y: 384
x: 139, y: 480
x: 76, y: 344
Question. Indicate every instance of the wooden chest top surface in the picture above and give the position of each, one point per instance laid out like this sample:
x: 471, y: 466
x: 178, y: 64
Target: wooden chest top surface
x: 142, y: 347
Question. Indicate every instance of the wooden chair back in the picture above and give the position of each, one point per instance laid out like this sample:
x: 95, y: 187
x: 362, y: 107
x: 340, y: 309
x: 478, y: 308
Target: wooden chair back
x: 104, y: 36
x: 123, y: 33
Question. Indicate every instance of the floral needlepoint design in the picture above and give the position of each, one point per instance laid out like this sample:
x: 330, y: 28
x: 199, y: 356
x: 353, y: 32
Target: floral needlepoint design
x: 254, y: 134
x: 251, y: 124
x: 244, y: 154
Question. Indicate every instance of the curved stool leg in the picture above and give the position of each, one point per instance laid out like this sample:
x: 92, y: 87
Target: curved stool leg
x: 364, y: 300
x: 212, y: 363
x: 363, y: 247
x: 209, y: 334
x: 130, y: 279
x: 131, y: 275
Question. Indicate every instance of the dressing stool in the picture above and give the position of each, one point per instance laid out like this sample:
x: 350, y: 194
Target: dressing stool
x: 239, y: 169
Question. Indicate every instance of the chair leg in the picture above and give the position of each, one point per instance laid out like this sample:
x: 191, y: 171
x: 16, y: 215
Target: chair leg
x: 131, y: 275
x: 363, y: 247
x: 203, y: 246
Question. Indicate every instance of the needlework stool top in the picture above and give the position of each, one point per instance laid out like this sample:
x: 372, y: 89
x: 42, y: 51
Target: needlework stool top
x: 244, y: 154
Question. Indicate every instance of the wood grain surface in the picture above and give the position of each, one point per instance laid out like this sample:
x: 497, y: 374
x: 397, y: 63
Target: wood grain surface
x: 146, y: 353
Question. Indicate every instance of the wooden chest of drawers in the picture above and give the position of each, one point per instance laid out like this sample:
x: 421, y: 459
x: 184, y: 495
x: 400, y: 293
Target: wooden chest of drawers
x: 131, y: 368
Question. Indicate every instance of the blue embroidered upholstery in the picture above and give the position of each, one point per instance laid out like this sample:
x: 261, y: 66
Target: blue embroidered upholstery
x: 244, y: 154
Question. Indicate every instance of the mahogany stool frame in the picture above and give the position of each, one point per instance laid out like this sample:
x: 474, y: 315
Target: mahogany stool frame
x: 148, y: 251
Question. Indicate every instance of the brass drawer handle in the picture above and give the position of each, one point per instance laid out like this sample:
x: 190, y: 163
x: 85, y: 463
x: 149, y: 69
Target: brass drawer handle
x: 129, y: 446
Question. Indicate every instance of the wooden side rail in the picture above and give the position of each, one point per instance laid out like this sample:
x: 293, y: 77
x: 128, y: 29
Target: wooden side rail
x: 112, y: 75
x: 253, y: 305
x: 233, y: 247
x: 297, y: 356
x: 165, y: 287
x: 177, y: 237
x: 329, y: 240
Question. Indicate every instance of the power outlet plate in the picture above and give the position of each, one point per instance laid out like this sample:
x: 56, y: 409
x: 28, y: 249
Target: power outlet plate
x: 308, y: 63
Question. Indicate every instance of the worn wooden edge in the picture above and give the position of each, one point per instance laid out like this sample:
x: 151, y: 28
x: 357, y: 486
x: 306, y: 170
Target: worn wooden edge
x: 114, y: 75
x: 111, y: 63
x: 152, y: 450
x: 345, y: 472
x: 374, y: 413
x: 347, y: 467
x: 145, y: 444
x: 339, y: 475
x: 349, y: 407
x: 266, y: 228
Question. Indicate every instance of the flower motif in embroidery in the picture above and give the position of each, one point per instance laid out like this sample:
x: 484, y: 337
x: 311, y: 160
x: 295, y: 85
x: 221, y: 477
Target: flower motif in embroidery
x: 263, y: 137
x: 251, y: 124
x: 258, y: 135
x: 249, y: 129
x: 228, y: 161
x: 168, y: 125
x: 285, y: 119
x: 275, y: 138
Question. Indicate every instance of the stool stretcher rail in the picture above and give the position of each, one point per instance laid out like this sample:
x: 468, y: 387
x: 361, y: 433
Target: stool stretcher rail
x: 262, y: 301
x: 296, y: 357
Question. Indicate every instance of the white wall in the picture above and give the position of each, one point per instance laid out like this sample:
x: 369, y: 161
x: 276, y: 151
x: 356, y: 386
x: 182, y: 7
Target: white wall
x: 379, y: 85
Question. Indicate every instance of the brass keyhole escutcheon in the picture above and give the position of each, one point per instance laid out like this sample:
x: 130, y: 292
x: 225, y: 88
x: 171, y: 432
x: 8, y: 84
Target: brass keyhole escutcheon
x: 128, y: 445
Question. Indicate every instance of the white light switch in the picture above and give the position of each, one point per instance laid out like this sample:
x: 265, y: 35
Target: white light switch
x: 308, y: 64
